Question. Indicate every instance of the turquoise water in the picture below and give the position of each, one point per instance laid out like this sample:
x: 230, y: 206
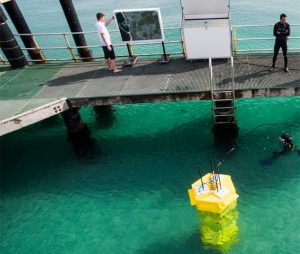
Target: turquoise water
x: 127, y: 193
x: 49, y: 17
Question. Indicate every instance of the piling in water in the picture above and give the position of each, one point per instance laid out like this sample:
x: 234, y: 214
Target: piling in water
x: 73, y: 122
x: 9, y: 45
x: 75, y: 27
x: 226, y: 130
x: 19, y: 21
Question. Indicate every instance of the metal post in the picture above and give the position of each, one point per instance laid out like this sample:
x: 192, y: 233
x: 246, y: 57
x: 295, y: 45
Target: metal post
x: 165, y: 58
x: 233, y: 88
x: 75, y: 27
x: 19, y: 21
x: 234, y: 41
x: 129, y: 48
x: 38, y: 49
x: 70, y: 48
x: 10, y: 46
x: 182, y: 42
x: 2, y: 60
x: 164, y: 50
x: 132, y: 58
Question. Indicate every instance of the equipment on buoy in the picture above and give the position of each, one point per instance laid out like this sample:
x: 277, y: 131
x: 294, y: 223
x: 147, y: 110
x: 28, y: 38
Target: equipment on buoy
x: 213, y: 193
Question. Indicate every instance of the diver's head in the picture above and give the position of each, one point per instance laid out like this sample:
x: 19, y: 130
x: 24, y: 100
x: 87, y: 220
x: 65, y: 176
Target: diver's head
x: 286, y: 138
x: 286, y: 141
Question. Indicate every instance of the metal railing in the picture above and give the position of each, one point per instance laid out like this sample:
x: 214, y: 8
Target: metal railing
x: 180, y: 43
x: 76, y: 58
x: 235, y: 38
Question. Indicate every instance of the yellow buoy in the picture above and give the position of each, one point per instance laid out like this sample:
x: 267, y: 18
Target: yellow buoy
x: 213, y: 193
x: 219, y: 232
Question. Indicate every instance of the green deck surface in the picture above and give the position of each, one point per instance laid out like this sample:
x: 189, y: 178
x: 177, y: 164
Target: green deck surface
x: 18, y: 88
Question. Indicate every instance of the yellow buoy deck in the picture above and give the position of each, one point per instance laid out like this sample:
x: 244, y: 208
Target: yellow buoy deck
x: 211, y: 196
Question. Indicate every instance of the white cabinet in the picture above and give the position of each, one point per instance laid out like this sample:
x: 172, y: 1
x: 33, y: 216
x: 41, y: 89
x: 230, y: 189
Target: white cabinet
x: 206, y: 29
x: 205, y: 9
x: 205, y: 39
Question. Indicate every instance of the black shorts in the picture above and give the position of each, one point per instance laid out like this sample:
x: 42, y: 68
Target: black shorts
x: 109, y: 54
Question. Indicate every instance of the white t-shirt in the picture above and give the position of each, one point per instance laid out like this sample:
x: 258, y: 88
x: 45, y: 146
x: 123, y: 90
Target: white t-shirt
x: 101, y: 28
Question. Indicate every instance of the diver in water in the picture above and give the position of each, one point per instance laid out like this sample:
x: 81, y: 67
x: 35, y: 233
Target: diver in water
x: 286, y: 141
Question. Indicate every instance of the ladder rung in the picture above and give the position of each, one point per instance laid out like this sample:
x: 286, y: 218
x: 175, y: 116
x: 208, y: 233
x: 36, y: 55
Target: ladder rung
x: 225, y: 91
x: 225, y: 122
x: 223, y: 99
x: 223, y: 107
x: 223, y: 115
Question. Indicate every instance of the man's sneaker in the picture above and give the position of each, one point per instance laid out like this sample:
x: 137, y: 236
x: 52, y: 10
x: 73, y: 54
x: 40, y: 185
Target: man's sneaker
x: 272, y: 69
x: 286, y: 70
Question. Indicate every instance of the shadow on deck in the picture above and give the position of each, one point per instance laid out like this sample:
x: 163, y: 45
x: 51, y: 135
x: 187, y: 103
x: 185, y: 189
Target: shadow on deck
x: 90, y: 84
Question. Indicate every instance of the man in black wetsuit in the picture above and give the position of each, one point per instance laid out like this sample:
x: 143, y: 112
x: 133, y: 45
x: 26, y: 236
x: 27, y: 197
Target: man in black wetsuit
x: 281, y: 32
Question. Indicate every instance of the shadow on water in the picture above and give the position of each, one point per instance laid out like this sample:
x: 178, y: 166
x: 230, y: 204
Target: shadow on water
x: 87, y: 151
x: 105, y: 116
x: 188, y: 142
x: 51, y: 122
x: 84, y: 146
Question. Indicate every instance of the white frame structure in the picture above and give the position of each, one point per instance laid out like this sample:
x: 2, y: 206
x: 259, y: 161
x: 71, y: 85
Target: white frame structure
x: 140, y: 10
x: 206, y: 29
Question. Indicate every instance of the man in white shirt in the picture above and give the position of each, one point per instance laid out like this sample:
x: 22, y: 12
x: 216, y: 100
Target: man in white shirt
x: 105, y: 40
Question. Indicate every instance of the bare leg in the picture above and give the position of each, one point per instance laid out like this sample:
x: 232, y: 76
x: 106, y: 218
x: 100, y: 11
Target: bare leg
x: 113, y: 66
x: 109, y: 64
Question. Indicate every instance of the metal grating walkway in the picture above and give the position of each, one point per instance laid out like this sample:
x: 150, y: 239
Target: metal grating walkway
x: 39, y: 89
x: 147, y: 79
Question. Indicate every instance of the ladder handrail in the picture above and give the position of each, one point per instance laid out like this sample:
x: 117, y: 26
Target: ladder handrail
x: 216, y: 114
x: 211, y: 76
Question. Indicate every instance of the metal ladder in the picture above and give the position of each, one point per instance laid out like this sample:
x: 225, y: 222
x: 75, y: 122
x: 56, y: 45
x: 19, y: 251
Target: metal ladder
x: 223, y: 101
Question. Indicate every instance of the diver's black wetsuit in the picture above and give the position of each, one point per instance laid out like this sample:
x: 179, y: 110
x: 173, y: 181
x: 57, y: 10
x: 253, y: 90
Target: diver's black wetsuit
x: 281, y: 41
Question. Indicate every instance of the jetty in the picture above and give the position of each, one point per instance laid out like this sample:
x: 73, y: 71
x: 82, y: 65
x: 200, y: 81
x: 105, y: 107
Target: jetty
x: 41, y: 91
x: 63, y: 85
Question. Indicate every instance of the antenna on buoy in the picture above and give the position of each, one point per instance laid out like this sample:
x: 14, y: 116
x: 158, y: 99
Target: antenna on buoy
x: 200, y: 177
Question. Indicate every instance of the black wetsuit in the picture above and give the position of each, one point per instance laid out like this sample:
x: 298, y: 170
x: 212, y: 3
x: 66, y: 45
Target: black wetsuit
x: 281, y: 41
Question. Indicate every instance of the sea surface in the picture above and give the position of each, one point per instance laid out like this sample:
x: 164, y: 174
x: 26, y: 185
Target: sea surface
x: 126, y: 191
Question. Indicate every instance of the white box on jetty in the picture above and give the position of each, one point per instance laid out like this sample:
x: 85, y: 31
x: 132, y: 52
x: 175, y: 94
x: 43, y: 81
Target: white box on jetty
x: 206, y: 29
